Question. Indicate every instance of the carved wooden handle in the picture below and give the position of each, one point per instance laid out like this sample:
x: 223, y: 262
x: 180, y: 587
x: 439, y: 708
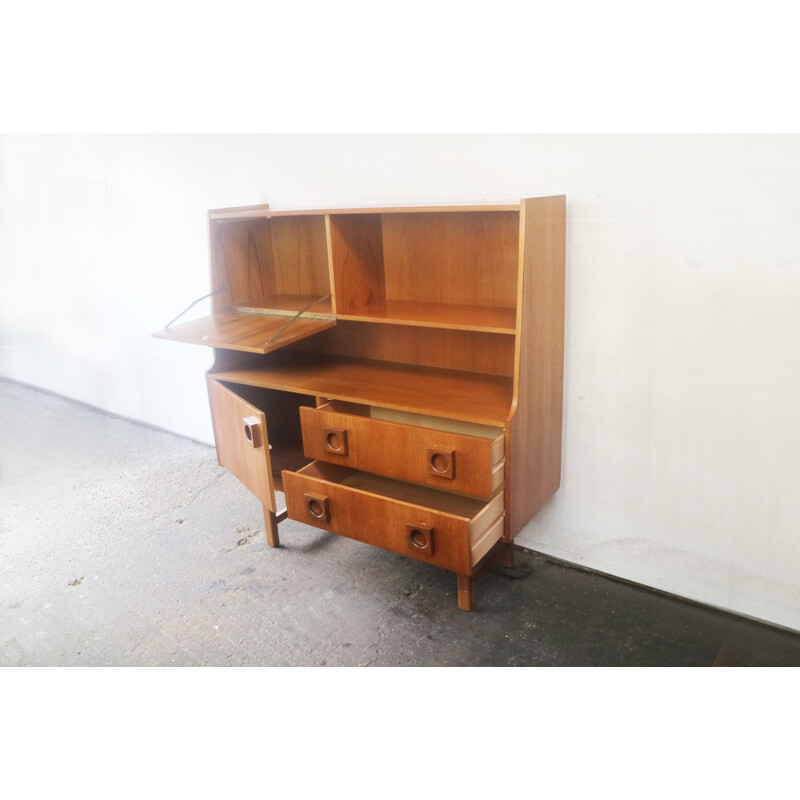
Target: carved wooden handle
x: 252, y: 431
x: 317, y: 507
x: 420, y: 537
x: 442, y: 463
x: 335, y: 441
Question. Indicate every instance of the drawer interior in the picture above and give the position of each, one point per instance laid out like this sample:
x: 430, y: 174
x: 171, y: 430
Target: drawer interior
x: 378, y: 511
x: 446, y: 502
x: 417, y: 420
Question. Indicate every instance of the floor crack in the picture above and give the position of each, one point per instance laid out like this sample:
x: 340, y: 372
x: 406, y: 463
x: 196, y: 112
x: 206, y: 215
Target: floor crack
x: 200, y: 491
x: 376, y: 647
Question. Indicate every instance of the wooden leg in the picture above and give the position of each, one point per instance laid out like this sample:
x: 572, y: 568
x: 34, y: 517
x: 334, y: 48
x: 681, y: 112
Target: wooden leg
x: 465, y: 602
x: 505, y: 556
x: 271, y: 526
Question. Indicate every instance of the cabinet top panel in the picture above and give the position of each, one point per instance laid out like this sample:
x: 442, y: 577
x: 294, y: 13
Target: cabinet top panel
x: 249, y: 212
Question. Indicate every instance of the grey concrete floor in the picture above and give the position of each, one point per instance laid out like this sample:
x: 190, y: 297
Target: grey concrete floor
x: 121, y: 545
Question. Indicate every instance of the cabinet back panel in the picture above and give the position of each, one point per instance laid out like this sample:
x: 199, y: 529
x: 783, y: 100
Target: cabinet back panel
x: 469, y: 351
x: 300, y: 253
x: 469, y: 258
x: 241, y: 256
x: 357, y: 257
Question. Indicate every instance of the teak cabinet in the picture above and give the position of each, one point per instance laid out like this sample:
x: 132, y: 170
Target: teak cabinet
x: 396, y: 372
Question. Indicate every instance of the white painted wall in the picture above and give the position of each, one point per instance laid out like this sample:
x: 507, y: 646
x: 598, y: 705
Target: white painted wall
x: 682, y: 397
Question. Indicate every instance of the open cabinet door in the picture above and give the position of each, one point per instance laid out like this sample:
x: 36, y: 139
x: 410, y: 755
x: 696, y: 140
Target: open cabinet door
x: 240, y: 433
x: 250, y: 333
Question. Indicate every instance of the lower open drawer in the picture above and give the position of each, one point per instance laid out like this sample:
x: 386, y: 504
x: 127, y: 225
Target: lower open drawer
x: 448, y: 530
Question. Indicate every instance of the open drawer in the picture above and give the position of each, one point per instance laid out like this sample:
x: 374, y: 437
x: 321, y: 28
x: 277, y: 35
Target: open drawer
x: 444, y: 529
x: 443, y: 454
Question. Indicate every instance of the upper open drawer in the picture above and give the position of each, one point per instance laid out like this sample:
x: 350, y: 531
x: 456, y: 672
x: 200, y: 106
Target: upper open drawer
x: 443, y: 454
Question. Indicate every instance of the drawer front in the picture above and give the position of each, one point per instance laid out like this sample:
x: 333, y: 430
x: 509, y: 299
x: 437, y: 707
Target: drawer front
x: 452, y: 462
x: 353, y: 507
x: 240, y: 434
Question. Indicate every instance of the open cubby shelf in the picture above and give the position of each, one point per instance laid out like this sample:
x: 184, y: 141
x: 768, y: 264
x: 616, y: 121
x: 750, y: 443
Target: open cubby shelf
x: 447, y: 270
x: 453, y: 269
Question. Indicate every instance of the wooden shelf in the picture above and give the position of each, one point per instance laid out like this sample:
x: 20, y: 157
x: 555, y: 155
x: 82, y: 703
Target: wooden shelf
x: 285, y: 305
x: 473, y: 397
x: 438, y: 315
x: 247, y: 332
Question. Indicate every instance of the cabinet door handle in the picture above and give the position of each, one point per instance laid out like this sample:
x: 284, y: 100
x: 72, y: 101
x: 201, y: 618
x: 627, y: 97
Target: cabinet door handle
x: 318, y: 507
x: 252, y: 431
x: 335, y: 441
x: 421, y: 537
x: 442, y: 463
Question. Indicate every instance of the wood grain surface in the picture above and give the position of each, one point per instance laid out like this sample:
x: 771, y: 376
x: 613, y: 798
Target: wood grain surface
x: 485, y: 399
x: 533, y: 457
x: 402, y: 451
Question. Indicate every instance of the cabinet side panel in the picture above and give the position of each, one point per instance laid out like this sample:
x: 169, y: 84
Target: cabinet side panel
x: 533, y: 443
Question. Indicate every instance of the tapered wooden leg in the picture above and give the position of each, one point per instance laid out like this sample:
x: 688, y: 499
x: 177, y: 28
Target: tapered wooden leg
x: 271, y: 526
x: 465, y: 602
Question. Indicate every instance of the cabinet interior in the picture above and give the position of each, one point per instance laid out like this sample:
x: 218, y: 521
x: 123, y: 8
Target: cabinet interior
x: 271, y: 265
x: 450, y: 270
x: 389, y: 304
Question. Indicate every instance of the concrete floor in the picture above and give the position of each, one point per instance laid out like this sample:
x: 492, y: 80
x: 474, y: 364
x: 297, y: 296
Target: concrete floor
x: 121, y: 545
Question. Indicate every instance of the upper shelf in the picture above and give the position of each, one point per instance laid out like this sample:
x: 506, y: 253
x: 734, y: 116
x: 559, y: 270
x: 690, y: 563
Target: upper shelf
x: 251, y: 333
x: 437, y: 315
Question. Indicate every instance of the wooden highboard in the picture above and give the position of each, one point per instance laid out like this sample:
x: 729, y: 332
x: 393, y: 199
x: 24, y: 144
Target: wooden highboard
x: 397, y: 373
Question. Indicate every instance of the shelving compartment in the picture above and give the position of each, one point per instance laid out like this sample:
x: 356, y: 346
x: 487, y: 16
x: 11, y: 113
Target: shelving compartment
x: 271, y: 265
x: 263, y: 272
x: 454, y: 270
x: 455, y: 394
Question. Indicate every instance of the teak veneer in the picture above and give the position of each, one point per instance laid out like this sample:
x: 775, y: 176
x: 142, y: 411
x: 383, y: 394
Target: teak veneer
x: 396, y: 372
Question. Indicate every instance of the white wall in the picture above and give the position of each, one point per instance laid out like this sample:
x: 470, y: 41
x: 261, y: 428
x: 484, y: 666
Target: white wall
x: 682, y: 394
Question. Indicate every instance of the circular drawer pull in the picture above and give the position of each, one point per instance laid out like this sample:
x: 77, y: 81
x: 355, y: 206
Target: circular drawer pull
x: 317, y: 507
x: 335, y: 441
x: 420, y: 537
x: 442, y: 463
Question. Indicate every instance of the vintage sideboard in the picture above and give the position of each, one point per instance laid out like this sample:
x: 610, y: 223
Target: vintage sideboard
x: 396, y: 372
